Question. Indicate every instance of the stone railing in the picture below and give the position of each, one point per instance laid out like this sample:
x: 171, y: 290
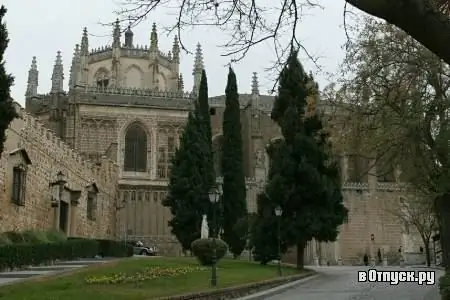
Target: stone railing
x: 355, y: 186
x: 138, y: 51
x: 139, y: 92
x: 389, y: 186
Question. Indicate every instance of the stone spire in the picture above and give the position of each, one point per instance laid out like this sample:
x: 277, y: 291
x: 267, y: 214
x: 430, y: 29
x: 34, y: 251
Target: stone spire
x: 33, y: 78
x: 198, y: 67
x: 180, y: 83
x: 255, y: 84
x: 176, y: 50
x: 154, y: 39
x: 84, y: 49
x: 58, y: 75
x: 80, y: 80
x: 129, y: 37
x: 74, y: 66
x: 116, y: 34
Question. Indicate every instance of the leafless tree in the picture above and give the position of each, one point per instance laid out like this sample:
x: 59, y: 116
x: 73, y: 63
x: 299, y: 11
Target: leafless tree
x: 417, y: 211
x: 395, y: 95
x: 249, y: 23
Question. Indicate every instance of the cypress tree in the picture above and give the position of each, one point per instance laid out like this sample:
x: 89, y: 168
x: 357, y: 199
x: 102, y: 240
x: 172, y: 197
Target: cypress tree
x: 7, y: 110
x: 206, y: 126
x: 234, y: 192
x: 187, y: 191
x: 303, y: 179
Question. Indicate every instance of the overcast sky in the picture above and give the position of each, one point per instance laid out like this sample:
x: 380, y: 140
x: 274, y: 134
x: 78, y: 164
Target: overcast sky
x: 41, y: 28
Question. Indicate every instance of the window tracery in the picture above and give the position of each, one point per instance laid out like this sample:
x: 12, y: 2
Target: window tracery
x: 135, y: 159
x: 168, y: 140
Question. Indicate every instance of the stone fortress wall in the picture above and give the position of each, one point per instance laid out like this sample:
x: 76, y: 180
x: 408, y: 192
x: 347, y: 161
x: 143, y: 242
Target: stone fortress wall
x: 45, y: 155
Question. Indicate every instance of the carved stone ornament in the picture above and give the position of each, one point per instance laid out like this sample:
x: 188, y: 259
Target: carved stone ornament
x: 260, y: 158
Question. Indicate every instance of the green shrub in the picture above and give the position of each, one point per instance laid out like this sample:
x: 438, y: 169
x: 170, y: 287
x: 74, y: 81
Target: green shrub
x: 4, y: 240
x: 15, y: 256
x: 203, y: 250
x: 111, y: 248
x: 15, y: 237
x: 34, y: 237
x: 55, y: 236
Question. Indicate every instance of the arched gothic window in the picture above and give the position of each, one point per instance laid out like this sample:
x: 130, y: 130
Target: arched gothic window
x: 166, y: 151
x: 135, y: 149
x: 102, y: 79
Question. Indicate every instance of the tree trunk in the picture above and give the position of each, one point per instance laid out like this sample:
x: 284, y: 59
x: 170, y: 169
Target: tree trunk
x: 443, y: 205
x: 300, y: 256
x: 417, y: 18
x: 428, y: 254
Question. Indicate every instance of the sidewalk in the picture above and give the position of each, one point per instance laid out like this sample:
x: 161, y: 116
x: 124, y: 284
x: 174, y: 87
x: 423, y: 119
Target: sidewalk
x: 59, y: 267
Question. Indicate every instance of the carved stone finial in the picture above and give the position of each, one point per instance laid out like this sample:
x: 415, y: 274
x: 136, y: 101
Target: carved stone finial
x: 116, y: 34
x: 255, y: 84
x: 154, y: 39
x: 58, y: 75
x: 198, y: 68
x: 33, y: 76
x: 176, y: 50
x: 84, y: 48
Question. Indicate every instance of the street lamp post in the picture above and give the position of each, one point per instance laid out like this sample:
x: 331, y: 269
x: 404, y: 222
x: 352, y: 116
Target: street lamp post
x: 278, y: 213
x: 214, y: 196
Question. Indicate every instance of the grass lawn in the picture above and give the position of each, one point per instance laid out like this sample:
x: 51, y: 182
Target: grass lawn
x: 163, y: 277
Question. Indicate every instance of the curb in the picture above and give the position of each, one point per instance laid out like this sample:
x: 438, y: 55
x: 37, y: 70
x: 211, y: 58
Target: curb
x: 277, y: 290
x: 430, y: 267
x: 245, y: 290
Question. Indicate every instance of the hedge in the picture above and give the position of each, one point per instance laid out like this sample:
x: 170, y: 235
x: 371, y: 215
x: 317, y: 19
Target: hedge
x: 111, y: 248
x: 16, y: 256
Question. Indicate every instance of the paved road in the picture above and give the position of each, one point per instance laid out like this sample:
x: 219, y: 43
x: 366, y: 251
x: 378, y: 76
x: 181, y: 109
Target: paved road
x: 340, y: 283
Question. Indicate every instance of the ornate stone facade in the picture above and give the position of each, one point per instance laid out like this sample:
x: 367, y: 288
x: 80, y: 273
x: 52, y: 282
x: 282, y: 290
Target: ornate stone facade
x: 127, y: 103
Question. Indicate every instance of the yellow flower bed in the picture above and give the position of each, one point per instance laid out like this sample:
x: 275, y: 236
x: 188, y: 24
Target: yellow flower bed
x: 145, y: 274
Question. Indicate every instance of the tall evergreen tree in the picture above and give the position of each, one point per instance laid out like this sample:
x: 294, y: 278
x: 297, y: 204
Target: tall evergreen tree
x: 234, y: 193
x: 303, y: 179
x: 206, y: 126
x: 7, y: 110
x: 188, y: 191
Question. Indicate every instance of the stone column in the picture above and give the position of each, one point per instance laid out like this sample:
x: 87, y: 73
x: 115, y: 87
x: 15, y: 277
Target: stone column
x: 154, y: 152
x: 72, y: 226
x: 315, y: 254
x: 337, y: 250
x: 344, y: 167
x: 69, y: 220
x: 56, y: 214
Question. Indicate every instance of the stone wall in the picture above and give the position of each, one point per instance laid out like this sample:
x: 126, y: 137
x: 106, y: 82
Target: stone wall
x: 48, y: 155
x: 369, y: 214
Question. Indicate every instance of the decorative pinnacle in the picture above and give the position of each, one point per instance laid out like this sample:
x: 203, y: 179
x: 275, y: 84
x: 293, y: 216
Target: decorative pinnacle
x: 198, y: 63
x: 58, y: 74
x: 180, y: 83
x: 32, y: 83
x: 154, y: 38
x: 84, y: 48
x: 255, y: 84
x: 33, y: 64
x: 116, y: 34
x: 176, y: 50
